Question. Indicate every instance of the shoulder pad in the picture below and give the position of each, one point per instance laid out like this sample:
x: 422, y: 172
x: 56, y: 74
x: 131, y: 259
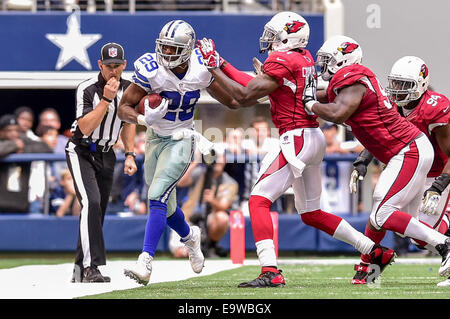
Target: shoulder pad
x: 146, y: 65
x: 145, y: 70
x: 436, y: 105
x: 199, y: 69
x: 349, y: 75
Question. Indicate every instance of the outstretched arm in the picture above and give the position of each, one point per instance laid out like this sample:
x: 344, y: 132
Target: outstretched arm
x: 245, y: 91
x: 221, y: 95
x: 257, y: 88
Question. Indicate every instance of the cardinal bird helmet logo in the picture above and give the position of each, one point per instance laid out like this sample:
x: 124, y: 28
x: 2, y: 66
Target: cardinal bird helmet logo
x: 423, y: 71
x: 347, y: 47
x: 294, y: 26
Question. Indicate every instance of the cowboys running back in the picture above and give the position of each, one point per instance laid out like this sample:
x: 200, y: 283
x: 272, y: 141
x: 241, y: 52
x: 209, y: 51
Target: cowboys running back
x: 177, y: 73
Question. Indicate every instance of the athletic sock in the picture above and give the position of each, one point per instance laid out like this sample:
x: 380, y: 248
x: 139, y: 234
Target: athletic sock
x: 178, y: 223
x: 156, y: 224
x: 262, y: 226
x: 444, y: 225
x: 269, y: 268
x: 338, y: 228
x: 346, y: 233
x: 376, y: 236
x: 265, y: 250
x: 404, y: 224
x: 321, y: 220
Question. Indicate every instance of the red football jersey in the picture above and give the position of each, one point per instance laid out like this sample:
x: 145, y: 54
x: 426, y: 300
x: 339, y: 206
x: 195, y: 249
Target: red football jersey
x: 432, y: 111
x: 376, y: 123
x: 290, y: 70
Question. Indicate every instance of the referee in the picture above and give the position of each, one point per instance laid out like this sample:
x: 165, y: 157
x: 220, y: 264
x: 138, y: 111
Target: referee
x: 91, y: 159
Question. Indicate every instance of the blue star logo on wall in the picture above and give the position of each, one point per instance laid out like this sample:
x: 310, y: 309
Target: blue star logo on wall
x: 73, y: 44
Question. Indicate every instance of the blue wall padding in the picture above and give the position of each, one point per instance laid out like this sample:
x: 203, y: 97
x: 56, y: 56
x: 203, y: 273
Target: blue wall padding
x: 22, y: 232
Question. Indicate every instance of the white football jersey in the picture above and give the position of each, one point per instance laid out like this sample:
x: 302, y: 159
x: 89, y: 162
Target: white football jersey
x: 182, y: 94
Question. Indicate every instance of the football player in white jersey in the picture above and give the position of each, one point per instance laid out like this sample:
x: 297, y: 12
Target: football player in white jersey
x: 176, y: 71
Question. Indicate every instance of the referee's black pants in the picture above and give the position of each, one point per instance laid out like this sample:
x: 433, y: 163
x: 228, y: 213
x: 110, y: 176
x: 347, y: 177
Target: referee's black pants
x: 92, y: 174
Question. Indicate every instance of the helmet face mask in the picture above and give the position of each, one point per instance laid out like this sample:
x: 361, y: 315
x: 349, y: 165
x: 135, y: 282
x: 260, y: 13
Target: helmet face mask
x: 268, y: 37
x: 285, y: 31
x: 401, y: 91
x: 336, y: 53
x: 175, y: 44
x: 408, y: 80
x: 322, y: 62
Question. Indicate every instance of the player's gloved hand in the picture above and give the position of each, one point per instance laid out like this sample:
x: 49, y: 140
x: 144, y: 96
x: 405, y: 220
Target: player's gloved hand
x: 358, y: 174
x: 430, y: 202
x: 211, y: 58
x: 258, y: 66
x: 432, y: 195
x: 153, y: 115
x: 309, y: 93
x: 359, y: 170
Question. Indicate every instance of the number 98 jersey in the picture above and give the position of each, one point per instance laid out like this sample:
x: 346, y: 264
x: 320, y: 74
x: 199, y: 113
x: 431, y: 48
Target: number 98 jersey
x: 182, y: 93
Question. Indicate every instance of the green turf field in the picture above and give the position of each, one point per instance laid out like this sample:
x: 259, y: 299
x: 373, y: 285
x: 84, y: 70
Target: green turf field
x: 399, y: 281
x: 303, y: 282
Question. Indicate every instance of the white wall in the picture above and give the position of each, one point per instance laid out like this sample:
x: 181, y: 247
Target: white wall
x: 390, y: 29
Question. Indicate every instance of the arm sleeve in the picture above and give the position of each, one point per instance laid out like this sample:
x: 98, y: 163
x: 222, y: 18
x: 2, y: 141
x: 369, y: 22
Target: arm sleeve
x: 237, y: 75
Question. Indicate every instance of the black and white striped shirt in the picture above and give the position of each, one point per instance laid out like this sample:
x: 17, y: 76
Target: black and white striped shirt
x: 88, y: 95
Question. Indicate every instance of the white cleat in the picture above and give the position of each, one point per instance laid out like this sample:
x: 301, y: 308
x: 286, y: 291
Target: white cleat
x: 141, y: 270
x: 193, y: 246
x: 444, y: 251
x: 445, y: 283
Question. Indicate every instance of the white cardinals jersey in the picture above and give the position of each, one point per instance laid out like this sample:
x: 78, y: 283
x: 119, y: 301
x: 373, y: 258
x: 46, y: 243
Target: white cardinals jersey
x: 182, y: 93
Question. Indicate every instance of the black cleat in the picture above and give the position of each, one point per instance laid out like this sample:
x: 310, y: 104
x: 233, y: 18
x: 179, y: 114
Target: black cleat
x: 444, y: 251
x: 266, y: 279
x: 92, y: 274
x: 362, y: 272
x: 380, y: 257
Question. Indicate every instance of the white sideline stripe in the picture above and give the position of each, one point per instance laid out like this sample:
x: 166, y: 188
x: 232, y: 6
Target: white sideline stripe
x: 398, y: 260
x: 53, y: 281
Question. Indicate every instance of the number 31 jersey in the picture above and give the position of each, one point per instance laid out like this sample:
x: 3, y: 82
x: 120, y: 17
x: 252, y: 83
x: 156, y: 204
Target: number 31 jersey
x: 182, y: 93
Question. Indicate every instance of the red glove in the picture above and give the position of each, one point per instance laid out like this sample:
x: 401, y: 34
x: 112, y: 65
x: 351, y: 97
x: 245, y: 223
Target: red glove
x: 211, y: 57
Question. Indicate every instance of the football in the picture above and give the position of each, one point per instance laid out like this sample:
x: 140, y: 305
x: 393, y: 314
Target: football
x: 154, y: 100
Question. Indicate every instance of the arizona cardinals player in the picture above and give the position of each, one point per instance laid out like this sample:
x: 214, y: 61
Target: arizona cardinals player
x: 298, y: 159
x: 357, y: 99
x: 429, y: 111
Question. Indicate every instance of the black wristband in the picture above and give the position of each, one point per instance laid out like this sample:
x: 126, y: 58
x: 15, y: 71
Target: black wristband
x: 364, y: 158
x: 223, y: 64
x: 106, y: 99
x: 130, y: 154
x: 440, y: 183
